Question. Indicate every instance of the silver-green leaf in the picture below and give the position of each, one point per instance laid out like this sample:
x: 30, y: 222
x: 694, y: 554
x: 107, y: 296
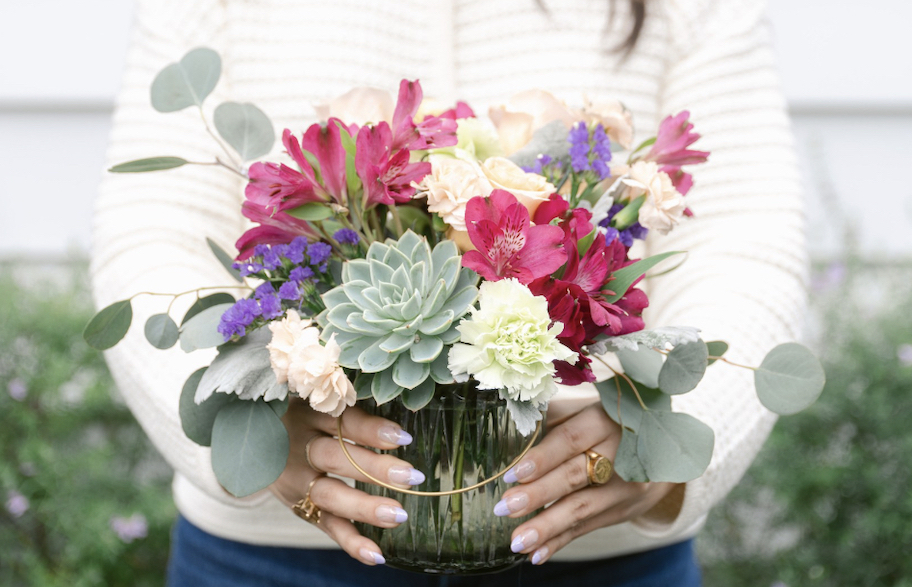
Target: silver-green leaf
x: 249, y: 447
x: 789, y: 379
x: 201, y: 331
x: 627, y: 463
x: 684, y: 368
x: 161, y: 331
x: 243, y: 369
x: 642, y: 365
x: 246, y: 128
x: 631, y: 412
x: 225, y: 259
x: 109, y: 326
x: 149, y: 164
x: 207, y: 302
x: 716, y: 348
x: 187, y: 82
x: 197, y: 419
x: 674, y: 447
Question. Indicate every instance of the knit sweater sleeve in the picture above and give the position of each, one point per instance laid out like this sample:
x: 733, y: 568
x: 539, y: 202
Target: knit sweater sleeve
x: 150, y: 229
x: 744, y: 277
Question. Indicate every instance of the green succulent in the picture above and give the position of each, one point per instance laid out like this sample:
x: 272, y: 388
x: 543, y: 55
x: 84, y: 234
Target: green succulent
x: 394, y: 315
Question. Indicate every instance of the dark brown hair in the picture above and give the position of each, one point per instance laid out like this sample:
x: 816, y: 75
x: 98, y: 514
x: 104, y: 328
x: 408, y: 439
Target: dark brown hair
x: 637, y: 11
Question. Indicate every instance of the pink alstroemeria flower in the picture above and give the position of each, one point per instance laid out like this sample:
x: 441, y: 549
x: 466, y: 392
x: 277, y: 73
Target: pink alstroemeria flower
x: 387, y: 176
x: 507, y: 245
x: 431, y: 133
x: 461, y: 110
x: 670, y: 150
x: 276, y: 228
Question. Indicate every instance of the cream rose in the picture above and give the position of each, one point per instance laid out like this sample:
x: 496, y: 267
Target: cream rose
x: 359, y: 106
x: 617, y: 120
x: 524, y: 114
x: 664, y: 206
x: 450, y: 186
x: 529, y: 188
x: 314, y: 373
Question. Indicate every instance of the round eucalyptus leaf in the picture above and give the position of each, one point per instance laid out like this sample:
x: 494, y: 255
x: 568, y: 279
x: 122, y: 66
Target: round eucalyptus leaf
x: 197, y: 419
x: 684, y: 368
x: 161, y: 331
x: 186, y: 82
x: 150, y: 164
x: 674, y: 447
x: 207, y: 302
x: 201, y: 331
x: 109, y: 326
x: 642, y: 365
x: 246, y: 128
x: 716, y: 348
x: 627, y: 463
x: 249, y: 447
x: 789, y: 379
x: 630, y: 409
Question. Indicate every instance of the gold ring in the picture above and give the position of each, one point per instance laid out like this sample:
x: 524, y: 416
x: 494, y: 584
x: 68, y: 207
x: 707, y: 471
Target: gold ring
x: 598, y: 468
x: 306, y: 509
x: 307, y: 453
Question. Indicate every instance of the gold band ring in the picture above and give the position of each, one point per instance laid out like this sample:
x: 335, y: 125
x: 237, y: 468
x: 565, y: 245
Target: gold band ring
x: 306, y: 509
x: 307, y: 453
x: 598, y: 468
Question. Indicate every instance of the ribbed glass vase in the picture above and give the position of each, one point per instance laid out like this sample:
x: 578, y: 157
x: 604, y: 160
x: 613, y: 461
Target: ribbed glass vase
x: 462, y: 437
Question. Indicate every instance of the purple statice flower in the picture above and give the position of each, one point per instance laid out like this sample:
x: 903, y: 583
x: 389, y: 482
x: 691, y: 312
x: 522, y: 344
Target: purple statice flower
x: 238, y: 317
x: 264, y: 289
x: 290, y: 291
x: 579, y: 147
x: 271, y: 307
x: 16, y: 503
x: 129, y: 529
x: 612, y: 212
x: 601, y: 148
x: 318, y: 253
x: 248, y: 266
x: 590, y: 151
x: 17, y: 389
x: 638, y: 231
x: 274, y: 256
x: 296, y: 249
x: 346, y: 236
x: 626, y: 238
x: 260, y: 250
x: 611, y: 234
x: 300, y: 274
x: 541, y: 162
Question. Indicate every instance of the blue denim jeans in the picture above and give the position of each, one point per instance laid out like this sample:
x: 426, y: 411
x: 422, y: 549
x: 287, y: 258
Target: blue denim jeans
x: 199, y: 559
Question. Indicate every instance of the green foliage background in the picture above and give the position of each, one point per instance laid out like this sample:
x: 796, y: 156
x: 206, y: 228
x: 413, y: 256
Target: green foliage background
x: 828, y: 501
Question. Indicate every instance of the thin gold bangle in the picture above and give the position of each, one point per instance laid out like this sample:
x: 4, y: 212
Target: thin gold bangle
x: 373, y: 479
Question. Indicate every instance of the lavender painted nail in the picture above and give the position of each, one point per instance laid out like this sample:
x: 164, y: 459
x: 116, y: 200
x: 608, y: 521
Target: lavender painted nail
x: 372, y: 557
x: 524, y: 540
x: 406, y: 476
x: 394, y: 435
x: 519, y: 472
x: 539, y: 555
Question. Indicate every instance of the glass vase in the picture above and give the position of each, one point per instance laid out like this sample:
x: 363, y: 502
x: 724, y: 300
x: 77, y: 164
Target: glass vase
x: 461, y: 438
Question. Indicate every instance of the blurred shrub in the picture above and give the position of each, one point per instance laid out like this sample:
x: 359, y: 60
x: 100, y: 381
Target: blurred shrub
x: 829, y: 499
x: 86, y: 500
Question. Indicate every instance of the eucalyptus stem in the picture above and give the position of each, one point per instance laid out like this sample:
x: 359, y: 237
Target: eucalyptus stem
x: 236, y: 164
x: 724, y: 360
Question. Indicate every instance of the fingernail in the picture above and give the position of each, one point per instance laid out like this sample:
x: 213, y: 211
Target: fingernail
x: 389, y: 513
x: 372, y: 557
x: 524, y: 540
x: 405, y: 476
x: 539, y: 555
x: 511, y: 505
x: 394, y: 435
x: 519, y: 472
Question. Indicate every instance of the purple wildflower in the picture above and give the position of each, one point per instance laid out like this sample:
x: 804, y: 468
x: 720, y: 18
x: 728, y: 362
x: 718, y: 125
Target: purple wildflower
x: 590, y: 151
x: 16, y: 503
x: 290, y: 291
x: 260, y: 250
x: 129, y: 529
x: 579, y: 147
x: 264, y: 289
x: 638, y: 231
x: 318, y: 253
x: 296, y: 249
x: 271, y: 307
x: 248, y: 266
x: 300, y: 274
x: 17, y: 389
x: 346, y: 236
x: 274, y: 256
x: 238, y: 317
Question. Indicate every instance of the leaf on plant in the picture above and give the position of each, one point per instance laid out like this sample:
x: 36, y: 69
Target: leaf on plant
x: 362, y: 385
x: 789, y: 379
x: 524, y: 414
x: 631, y: 412
x: 243, y: 369
x: 279, y: 406
x: 201, y: 331
x: 246, y: 128
x: 207, y: 302
x: 627, y: 463
x: 109, y: 326
x: 311, y: 211
x: 197, y: 419
x: 150, y: 164
x: 684, y: 368
x: 161, y: 331
x: 624, y: 278
x: 642, y: 365
x: 186, y: 82
x: 383, y: 388
x: 674, y: 447
x: 249, y: 447
x: 716, y: 348
x: 225, y: 259
x: 420, y: 396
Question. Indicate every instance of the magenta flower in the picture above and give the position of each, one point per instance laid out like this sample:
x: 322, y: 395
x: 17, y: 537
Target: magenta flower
x: 670, y: 148
x: 431, y: 133
x: 387, y: 176
x: 461, y: 110
x: 507, y: 244
x: 276, y: 228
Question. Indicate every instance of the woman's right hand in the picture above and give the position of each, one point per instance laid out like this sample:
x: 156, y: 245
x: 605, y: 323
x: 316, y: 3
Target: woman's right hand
x: 339, y: 503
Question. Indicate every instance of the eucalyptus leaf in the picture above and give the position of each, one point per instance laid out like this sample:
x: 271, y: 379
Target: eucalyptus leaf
x: 631, y: 412
x: 627, y: 463
x: 418, y: 397
x: 789, y: 379
x: 187, y: 82
x: 207, y: 302
x: 246, y: 128
x: 279, y: 406
x: 249, y: 447
x: 684, y: 368
x: 201, y: 331
x: 311, y: 211
x: 161, y: 331
x: 716, y: 348
x: 109, y: 326
x: 642, y: 365
x: 624, y: 278
x: 674, y: 447
x: 525, y: 415
x: 197, y: 419
x: 225, y: 259
x: 243, y: 369
x: 657, y: 338
x: 149, y: 164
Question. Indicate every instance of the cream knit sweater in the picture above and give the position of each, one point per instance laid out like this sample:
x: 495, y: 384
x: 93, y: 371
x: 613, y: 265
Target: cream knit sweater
x: 743, y: 280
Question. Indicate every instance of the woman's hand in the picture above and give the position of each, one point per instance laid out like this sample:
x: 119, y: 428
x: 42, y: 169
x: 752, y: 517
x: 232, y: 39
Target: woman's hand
x: 555, y: 471
x: 339, y: 503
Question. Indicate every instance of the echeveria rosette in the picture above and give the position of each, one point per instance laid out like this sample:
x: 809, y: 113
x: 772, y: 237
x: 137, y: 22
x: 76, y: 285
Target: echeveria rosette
x: 394, y: 314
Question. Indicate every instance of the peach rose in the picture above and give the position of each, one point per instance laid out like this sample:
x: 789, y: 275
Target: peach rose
x: 524, y: 114
x: 529, y: 188
x: 617, y: 120
x: 359, y: 106
x: 664, y: 206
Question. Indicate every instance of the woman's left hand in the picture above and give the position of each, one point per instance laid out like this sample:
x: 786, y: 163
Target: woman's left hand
x: 555, y: 471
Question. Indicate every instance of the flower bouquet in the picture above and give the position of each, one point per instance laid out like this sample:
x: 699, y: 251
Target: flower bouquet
x: 445, y: 272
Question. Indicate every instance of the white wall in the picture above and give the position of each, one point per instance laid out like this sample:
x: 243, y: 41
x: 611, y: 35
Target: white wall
x: 846, y: 68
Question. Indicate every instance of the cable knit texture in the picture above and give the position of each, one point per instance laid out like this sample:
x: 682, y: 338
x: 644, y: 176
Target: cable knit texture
x: 743, y: 280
